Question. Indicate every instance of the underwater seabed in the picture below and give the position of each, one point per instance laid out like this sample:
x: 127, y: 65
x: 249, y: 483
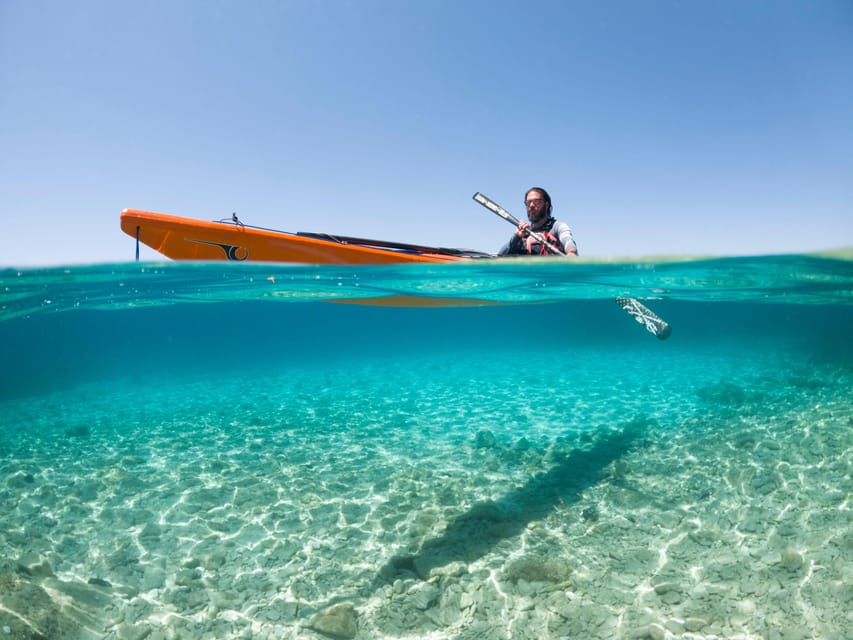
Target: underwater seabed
x: 631, y: 490
x: 267, y: 471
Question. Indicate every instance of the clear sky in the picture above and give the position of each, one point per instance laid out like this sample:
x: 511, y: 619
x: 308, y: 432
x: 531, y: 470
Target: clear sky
x: 659, y: 127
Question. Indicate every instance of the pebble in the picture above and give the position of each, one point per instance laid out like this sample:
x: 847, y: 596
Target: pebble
x: 695, y: 624
x: 672, y: 597
x: 127, y: 631
x: 675, y: 626
x: 666, y: 587
x: 466, y: 600
x: 792, y: 560
x: 338, y: 621
x: 746, y: 606
x: 424, y: 596
x: 485, y: 439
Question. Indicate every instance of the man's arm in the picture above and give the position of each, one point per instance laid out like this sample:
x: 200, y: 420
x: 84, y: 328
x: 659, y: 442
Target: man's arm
x: 563, y: 233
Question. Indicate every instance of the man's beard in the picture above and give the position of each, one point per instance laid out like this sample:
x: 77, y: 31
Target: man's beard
x: 543, y: 217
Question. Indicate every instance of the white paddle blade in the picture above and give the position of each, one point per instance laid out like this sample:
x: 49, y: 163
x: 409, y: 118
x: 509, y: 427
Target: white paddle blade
x: 653, y: 323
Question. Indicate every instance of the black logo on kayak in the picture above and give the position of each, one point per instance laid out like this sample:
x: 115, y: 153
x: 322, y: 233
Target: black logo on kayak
x: 232, y: 252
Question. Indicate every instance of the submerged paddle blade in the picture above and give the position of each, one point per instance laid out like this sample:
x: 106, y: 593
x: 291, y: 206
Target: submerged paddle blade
x: 653, y: 323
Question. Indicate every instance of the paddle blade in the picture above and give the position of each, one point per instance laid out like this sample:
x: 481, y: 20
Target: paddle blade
x: 495, y: 208
x: 653, y: 323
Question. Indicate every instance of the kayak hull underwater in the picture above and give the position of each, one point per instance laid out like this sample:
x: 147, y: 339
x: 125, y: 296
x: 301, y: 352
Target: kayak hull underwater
x: 182, y: 238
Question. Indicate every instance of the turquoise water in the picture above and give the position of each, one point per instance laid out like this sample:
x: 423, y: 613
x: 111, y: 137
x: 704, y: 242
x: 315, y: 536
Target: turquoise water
x: 227, y: 451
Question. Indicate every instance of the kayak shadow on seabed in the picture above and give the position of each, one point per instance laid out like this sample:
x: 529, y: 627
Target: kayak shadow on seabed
x: 476, y: 532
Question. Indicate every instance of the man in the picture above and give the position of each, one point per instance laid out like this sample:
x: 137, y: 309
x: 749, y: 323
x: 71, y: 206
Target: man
x: 558, y: 234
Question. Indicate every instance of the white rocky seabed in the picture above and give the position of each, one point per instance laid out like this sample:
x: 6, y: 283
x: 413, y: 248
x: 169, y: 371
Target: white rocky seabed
x: 380, y: 502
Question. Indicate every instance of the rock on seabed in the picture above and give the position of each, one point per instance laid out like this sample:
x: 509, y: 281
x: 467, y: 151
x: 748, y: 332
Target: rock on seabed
x: 338, y: 621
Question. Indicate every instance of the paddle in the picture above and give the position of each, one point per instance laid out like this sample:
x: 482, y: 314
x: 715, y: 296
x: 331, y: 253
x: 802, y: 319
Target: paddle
x: 653, y: 323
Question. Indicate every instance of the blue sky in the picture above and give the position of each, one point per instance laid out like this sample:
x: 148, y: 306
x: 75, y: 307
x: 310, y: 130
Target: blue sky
x: 659, y: 127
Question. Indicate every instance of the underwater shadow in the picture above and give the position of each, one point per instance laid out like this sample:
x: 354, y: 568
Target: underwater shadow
x: 476, y: 532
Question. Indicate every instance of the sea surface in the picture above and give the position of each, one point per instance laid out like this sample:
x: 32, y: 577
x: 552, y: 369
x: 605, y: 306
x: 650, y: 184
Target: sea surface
x: 488, y: 450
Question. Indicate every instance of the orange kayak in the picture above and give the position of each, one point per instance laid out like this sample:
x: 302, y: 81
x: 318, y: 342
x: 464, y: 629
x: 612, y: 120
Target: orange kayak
x: 181, y: 238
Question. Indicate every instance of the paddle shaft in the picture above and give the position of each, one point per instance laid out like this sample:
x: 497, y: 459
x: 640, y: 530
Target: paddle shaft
x: 653, y: 323
x: 495, y: 208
